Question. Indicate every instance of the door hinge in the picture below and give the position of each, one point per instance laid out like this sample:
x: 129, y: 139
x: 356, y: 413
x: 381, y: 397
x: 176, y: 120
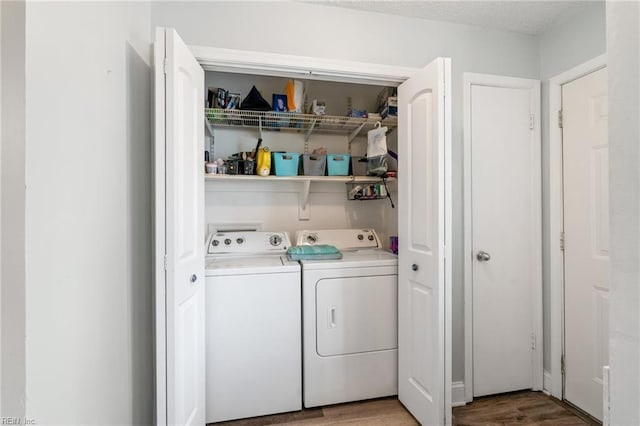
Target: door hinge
x: 560, y: 118
x: 562, y: 241
x: 164, y: 65
x: 562, y: 366
x: 166, y: 263
x: 533, y: 341
x: 531, y: 121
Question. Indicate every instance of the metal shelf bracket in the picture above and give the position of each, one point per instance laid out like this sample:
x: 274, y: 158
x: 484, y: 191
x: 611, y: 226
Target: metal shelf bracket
x: 209, y: 126
x: 355, y: 132
x: 303, y: 197
x: 310, y: 130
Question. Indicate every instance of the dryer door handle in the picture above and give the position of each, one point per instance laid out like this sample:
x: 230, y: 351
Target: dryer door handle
x: 331, y: 317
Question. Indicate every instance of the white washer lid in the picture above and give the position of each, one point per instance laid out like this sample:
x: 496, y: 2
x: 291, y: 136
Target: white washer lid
x: 230, y: 265
x: 354, y: 259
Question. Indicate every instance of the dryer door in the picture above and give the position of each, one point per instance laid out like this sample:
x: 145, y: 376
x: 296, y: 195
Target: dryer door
x: 356, y: 314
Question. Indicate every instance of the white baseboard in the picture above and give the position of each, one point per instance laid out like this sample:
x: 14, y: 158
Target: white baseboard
x: 457, y: 394
x: 546, y: 384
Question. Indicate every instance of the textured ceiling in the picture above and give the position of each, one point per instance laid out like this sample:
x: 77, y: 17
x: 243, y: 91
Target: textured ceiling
x: 528, y: 17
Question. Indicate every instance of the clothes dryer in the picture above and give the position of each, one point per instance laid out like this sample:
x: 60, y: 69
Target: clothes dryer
x: 350, y: 319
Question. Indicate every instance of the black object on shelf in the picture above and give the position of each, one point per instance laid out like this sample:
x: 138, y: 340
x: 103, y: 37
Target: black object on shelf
x: 369, y: 191
x: 255, y: 102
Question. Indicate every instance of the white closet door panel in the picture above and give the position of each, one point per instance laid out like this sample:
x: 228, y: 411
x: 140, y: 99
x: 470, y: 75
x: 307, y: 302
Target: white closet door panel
x: 424, y: 232
x: 181, y: 139
x: 586, y: 227
x: 504, y: 204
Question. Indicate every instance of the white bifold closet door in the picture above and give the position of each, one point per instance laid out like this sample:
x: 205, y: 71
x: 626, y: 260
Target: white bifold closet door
x: 180, y: 280
x: 424, y: 263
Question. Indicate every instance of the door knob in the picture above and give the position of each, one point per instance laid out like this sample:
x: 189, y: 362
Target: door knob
x: 194, y: 278
x: 483, y: 256
x: 414, y: 267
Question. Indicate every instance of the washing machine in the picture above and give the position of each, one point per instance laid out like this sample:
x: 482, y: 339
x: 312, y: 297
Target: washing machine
x: 350, y: 319
x: 253, y: 326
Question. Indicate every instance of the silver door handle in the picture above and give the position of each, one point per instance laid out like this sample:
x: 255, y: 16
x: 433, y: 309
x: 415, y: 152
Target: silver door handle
x: 483, y: 256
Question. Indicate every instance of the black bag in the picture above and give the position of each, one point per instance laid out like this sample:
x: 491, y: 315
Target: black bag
x: 255, y: 102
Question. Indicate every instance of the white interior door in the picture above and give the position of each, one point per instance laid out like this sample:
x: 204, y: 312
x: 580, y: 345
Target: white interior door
x: 179, y: 235
x: 424, y: 264
x: 586, y: 227
x: 506, y: 234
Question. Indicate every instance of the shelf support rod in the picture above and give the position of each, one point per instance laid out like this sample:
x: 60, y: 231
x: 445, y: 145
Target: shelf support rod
x: 355, y: 132
x: 209, y: 126
x: 310, y: 130
x: 303, y: 197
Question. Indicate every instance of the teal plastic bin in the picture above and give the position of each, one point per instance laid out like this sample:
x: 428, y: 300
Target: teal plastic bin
x: 338, y: 164
x: 286, y: 163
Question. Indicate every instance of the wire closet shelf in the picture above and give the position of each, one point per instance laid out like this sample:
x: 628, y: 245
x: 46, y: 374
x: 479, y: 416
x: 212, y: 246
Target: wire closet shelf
x: 291, y: 121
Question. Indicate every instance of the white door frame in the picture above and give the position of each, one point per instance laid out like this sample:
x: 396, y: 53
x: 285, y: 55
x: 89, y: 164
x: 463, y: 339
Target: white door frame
x: 231, y: 60
x: 515, y: 83
x: 556, y: 214
x: 295, y: 66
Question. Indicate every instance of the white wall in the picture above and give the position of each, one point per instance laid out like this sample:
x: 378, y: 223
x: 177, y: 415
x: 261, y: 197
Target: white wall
x: 275, y: 206
x: 623, y: 45
x: 12, y: 249
x: 573, y: 42
x: 328, y: 32
x: 88, y: 239
x: 562, y: 48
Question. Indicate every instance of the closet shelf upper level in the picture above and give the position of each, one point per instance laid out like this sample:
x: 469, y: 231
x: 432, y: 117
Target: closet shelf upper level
x: 293, y: 122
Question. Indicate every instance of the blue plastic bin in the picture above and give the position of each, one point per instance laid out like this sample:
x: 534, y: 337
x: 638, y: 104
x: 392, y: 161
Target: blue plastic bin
x: 286, y: 163
x: 338, y: 164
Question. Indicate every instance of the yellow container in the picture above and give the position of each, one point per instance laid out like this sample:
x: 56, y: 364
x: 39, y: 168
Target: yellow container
x: 264, y: 162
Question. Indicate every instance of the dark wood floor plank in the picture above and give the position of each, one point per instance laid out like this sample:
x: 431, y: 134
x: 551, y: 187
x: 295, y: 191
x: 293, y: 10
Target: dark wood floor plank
x: 284, y: 418
x: 517, y: 408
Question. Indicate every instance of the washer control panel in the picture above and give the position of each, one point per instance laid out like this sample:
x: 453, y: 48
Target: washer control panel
x: 343, y: 239
x: 249, y: 242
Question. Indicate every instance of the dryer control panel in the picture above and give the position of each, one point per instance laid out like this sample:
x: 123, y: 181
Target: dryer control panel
x: 343, y: 239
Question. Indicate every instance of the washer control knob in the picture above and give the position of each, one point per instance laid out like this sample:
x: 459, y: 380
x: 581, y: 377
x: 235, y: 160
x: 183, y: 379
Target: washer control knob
x: 227, y: 241
x: 275, y: 240
x: 240, y: 240
x: 370, y: 237
x: 312, y: 239
x: 215, y: 243
x: 360, y: 237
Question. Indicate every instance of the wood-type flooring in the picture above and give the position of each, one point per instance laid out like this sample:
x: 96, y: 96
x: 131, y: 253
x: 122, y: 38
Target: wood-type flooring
x: 517, y: 408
